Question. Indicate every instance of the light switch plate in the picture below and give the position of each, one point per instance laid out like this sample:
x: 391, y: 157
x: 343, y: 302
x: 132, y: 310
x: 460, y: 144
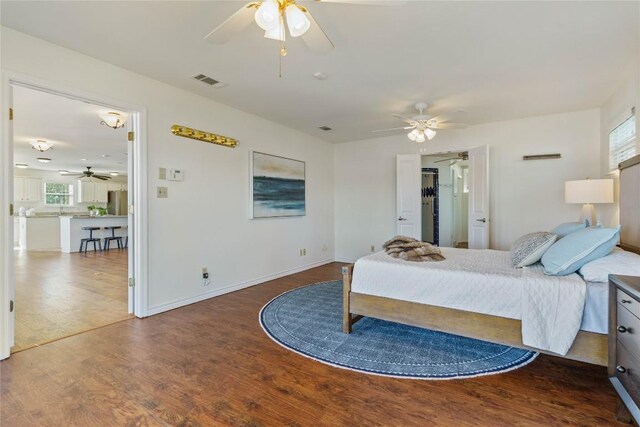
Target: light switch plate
x: 162, y: 173
x: 176, y: 175
x: 163, y: 192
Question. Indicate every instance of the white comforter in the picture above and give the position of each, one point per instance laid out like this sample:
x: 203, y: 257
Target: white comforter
x: 483, y: 281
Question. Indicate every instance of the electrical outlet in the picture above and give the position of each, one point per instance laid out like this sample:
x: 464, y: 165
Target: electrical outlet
x: 163, y: 192
x: 300, y: 252
x: 205, y: 273
x: 373, y: 248
x: 162, y: 174
x: 304, y: 252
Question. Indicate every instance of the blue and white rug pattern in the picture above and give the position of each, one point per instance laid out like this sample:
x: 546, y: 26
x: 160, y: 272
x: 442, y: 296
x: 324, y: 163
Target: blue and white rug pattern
x: 308, y: 320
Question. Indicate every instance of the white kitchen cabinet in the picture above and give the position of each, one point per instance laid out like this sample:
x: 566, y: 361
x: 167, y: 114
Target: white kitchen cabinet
x: 27, y: 189
x: 92, y: 192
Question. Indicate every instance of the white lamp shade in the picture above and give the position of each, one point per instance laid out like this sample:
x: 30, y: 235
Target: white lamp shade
x: 268, y: 15
x: 276, y: 33
x: 420, y: 137
x: 589, y: 191
x: 41, y: 145
x: 413, y: 134
x: 297, y: 22
x: 430, y: 133
x: 113, y: 119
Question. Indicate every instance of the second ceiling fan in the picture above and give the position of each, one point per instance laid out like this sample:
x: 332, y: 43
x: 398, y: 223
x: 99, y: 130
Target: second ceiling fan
x: 423, y: 126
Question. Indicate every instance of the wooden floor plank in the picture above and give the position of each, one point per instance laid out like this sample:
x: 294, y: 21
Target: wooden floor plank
x: 210, y: 364
x: 60, y: 294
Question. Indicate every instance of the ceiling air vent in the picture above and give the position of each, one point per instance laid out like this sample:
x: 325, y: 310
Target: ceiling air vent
x: 324, y: 128
x: 209, y: 81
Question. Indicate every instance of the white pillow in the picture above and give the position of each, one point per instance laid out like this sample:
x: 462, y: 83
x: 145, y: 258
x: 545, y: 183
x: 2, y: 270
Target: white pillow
x: 617, y: 262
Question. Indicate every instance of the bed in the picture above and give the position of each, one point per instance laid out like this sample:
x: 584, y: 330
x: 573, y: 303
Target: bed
x: 478, y: 294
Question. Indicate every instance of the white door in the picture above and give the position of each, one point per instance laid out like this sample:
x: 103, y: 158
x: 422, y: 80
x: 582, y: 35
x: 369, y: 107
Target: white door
x: 409, y: 209
x: 130, y: 222
x: 479, y: 198
x: 7, y: 310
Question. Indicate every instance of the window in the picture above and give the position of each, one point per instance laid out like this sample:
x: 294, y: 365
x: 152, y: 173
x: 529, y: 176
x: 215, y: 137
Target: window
x: 58, y: 194
x: 622, y: 142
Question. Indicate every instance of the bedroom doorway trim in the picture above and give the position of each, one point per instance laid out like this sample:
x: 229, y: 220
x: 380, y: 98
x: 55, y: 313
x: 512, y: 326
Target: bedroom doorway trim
x: 138, y: 147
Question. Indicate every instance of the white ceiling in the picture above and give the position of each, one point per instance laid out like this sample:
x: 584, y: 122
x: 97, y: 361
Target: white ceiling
x: 494, y: 60
x: 72, y: 126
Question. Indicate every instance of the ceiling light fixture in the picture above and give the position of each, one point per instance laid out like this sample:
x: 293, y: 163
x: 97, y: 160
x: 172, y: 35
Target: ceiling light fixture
x: 41, y: 145
x: 44, y: 159
x: 112, y: 119
x: 113, y: 173
x: 63, y: 171
x: 21, y: 165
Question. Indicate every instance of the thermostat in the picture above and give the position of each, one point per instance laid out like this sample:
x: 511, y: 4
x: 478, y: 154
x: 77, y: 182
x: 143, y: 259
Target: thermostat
x: 176, y: 175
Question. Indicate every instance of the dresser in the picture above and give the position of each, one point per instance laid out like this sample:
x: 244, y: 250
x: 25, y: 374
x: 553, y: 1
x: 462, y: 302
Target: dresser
x: 624, y: 344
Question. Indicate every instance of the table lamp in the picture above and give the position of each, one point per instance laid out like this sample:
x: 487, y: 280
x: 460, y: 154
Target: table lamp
x: 589, y: 191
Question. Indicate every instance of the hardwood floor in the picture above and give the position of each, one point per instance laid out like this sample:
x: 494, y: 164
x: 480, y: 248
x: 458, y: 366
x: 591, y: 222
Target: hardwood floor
x: 60, y: 294
x: 210, y: 364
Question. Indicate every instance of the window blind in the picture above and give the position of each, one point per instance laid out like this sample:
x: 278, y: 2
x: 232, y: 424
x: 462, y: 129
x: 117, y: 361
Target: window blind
x: 622, y: 142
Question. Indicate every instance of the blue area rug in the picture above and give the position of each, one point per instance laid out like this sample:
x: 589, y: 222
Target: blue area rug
x: 308, y: 320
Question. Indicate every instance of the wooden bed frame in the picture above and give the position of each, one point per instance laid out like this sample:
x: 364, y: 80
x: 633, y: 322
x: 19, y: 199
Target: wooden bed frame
x: 588, y: 346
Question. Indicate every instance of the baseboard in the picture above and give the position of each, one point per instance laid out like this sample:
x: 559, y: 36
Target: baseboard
x: 346, y: 260
x: 221, y: 291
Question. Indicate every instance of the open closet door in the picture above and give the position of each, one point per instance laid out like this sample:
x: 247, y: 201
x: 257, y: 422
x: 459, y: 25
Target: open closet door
x: 479, y: 198
x: 409, y: 203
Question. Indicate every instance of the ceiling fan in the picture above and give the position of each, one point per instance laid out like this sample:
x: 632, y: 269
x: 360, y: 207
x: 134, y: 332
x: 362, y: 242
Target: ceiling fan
x: 89, y: 174
x: 459, y: 158
x: 272, y: 15
x: 423, y: 125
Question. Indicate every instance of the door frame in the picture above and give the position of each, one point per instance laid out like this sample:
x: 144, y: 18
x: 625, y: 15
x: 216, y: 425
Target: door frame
x: 137, y: 124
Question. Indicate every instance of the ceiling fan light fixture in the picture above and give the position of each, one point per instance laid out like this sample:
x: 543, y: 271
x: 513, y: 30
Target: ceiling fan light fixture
x: 276, y: 33
x: 268, y: 15
x: 41, y: 145
x: 297, y: 21
x: 112, y: 119
x: 413, y: 135
x: 420, y: 137
x: 430, y: 133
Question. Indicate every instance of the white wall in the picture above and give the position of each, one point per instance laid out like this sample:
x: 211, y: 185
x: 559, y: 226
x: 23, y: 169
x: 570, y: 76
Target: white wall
x: 204, y: 222
x: 53, y: 176
x: 525, y: 195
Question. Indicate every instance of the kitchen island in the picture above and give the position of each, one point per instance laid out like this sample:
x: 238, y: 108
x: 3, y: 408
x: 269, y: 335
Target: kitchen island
x: 38, y: 233
x: 71, y: 231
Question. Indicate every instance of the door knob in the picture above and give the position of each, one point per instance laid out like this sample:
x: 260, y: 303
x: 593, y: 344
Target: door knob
x: 622, y: 329
x: 621, y: 369
x: 482, y: 219
x: 402, y: 219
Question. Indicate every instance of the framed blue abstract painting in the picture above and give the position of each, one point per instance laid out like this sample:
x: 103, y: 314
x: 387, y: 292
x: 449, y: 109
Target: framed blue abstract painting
x: 277, y: 186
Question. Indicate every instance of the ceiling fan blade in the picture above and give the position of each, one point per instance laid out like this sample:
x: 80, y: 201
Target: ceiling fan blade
x: 446, y: 160
x: 315, y: 38
x: 447, y: 116
x: 390, y: 129
x: 102, y: 177
x: 438, y: 126
x: 406, y: 119
x: 233, y: 25
x: 73, y: 174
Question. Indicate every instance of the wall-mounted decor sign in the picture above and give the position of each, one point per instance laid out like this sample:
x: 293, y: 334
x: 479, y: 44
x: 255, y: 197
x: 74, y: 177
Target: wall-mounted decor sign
x: 203, y: 136
x: 277, y: 186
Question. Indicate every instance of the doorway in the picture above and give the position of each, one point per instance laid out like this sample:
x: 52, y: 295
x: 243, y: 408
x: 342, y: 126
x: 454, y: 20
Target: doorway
x: 445, y: 199
x: 430, y: 208
x: 60, y: 299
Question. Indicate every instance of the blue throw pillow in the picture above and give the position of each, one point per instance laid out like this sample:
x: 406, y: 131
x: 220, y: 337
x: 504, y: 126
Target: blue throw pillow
x: 567, y: 255
x: 568, y: 228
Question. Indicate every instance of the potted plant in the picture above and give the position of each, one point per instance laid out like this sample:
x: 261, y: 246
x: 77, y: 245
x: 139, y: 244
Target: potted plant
x: 101, y: 211
x: 92, y: 210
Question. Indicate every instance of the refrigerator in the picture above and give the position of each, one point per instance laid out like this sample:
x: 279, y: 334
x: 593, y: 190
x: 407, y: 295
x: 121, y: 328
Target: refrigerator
x: 117, y: 203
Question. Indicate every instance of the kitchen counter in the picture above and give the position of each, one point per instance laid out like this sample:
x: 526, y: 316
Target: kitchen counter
x: 71, y: 231
x: 39, y: 233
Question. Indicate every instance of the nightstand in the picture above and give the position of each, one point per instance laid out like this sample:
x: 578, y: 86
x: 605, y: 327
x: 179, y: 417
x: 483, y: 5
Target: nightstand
x: 624, y: 344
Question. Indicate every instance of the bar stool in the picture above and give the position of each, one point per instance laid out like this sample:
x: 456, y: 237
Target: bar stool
x: 118, y: 239
x: 126, y: 238
x: 86, y: 242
